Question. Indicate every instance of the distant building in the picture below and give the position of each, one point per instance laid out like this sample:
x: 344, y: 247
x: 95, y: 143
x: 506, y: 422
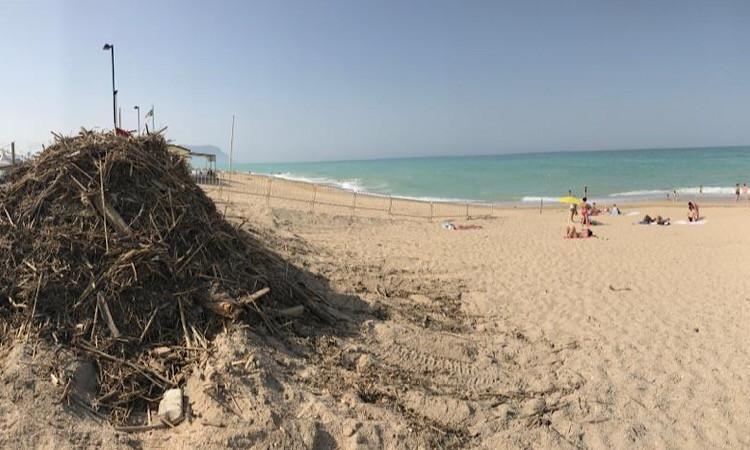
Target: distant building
x: 205, y: 174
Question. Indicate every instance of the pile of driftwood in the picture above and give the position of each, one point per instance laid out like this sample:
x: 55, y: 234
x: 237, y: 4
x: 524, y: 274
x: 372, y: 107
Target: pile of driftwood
x: 108, y: 247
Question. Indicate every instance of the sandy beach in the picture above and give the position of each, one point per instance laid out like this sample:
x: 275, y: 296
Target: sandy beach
x: 632, y: 339
x: 366, y: 225
x: 506, y: 335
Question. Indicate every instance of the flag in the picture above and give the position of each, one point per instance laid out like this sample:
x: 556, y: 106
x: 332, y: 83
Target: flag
x: 150, y: 113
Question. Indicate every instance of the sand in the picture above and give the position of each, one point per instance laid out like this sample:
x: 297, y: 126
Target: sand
x: 508, y: 336
x: 654, y: 318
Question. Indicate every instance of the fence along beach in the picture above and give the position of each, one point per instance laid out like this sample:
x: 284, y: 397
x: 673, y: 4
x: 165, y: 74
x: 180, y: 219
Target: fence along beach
x: 280, y: 192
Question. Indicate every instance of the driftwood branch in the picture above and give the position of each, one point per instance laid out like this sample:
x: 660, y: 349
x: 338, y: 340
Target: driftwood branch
x: 107, y: 315
x: 255, y: 296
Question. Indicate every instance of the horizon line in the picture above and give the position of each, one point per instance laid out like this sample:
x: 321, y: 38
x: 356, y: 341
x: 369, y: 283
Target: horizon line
x: 479, y: 155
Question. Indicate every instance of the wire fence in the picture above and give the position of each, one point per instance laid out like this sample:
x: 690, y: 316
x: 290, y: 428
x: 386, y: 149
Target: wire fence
x: 250, y: 189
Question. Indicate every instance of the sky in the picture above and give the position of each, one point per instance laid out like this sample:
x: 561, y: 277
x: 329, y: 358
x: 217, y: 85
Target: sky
x: 330, y: 80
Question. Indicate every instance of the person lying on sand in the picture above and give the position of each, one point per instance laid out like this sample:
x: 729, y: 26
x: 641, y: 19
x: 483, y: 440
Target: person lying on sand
x: 571, y: 233
x: 693, y: 213
x: 453, y: 226
x: 659, y: 220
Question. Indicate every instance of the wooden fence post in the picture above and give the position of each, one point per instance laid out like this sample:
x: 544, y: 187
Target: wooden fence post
x: 268, y: 193
x: 315, y: 195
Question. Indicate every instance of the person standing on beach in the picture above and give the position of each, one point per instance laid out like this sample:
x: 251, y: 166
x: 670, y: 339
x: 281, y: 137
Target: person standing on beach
x: 737, y: 191
x: 585, y: 221
x: 744, y: 191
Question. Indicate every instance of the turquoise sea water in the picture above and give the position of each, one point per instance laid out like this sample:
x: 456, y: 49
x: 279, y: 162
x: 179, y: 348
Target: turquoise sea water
x: 610, y: 175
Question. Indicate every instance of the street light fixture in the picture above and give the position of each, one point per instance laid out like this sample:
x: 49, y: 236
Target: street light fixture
x: 111, y: 48
x: 138, y: 108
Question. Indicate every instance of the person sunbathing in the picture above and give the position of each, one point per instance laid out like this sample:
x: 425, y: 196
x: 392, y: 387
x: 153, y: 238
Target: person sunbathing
x: 571, y: 233
x: 693, y: 213
x: 659, y: 220
x: 447, y: 225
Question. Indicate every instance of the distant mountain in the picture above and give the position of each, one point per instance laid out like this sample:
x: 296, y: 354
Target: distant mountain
x: 221, y: 157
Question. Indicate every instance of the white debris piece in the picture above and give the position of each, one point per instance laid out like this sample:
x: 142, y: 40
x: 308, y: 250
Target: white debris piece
x: 170, y: 406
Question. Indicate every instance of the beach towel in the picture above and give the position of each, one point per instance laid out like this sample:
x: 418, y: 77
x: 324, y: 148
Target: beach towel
x: 632, y: 213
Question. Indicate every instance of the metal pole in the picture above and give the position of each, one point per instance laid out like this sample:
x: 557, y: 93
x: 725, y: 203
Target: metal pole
x: 119, y: 112
x: 138, y: 111
x: 153, y: 120
x: 541, y: 205
x: 13, y: 153
x: 231, y: 147
x: 114, y: 91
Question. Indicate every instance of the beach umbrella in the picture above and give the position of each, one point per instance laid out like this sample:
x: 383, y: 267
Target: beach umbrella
x: 569, y: 199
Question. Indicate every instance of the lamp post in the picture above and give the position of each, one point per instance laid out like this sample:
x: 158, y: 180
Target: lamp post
x: 111, y: 49
x: 138, y: 108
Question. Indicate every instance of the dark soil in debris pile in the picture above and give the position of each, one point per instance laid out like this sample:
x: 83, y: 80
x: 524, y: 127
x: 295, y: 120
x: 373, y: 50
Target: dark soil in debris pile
x: 108, y: 247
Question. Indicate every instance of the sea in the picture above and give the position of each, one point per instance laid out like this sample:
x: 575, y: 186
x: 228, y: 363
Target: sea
x: 607, y: 176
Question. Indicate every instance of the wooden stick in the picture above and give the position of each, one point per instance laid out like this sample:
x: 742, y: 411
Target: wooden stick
x: 9, y: 219
x: 148, y: 324
x: 101, y: 184
x: 109, y: 214
x: 255, y: 296
x: 102, y: 302
x: 184, y: 323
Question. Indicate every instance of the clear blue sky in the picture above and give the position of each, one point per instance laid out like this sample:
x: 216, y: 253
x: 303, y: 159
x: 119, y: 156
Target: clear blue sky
x: 362, y: 79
